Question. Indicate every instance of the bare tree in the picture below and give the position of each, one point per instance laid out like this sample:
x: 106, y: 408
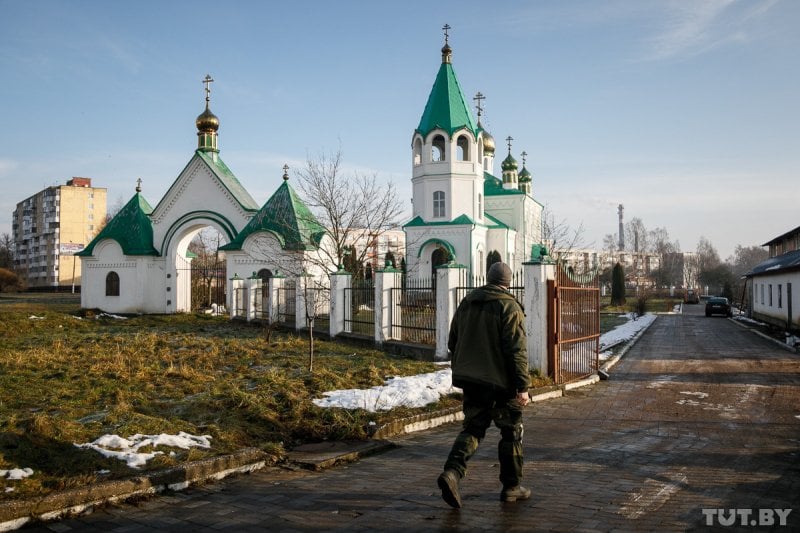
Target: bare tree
x: 636, y: 236
x: 6, y: 251
x: 354, y: 209
x: 560, y: 237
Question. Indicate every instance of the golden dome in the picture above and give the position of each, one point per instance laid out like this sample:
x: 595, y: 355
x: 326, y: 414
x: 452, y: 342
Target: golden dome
x: 488, y: 143
x: 207, y: 121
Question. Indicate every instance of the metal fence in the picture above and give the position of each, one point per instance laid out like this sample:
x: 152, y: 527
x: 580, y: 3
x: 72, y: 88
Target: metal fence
x: 574, y: 320
x: 468, y: 283
x: 413, y: 310
x: 359, y: 305
x: 286, y: 297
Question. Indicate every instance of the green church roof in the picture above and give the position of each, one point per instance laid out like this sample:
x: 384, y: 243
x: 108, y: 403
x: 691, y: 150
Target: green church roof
x: 131, y: 228
x: 447, y: 108
x: 286, y: 216
x: 494, y: 187
x: 227, y: 179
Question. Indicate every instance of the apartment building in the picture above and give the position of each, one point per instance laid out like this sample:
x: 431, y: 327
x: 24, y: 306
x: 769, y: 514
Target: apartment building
x: 53, y: 224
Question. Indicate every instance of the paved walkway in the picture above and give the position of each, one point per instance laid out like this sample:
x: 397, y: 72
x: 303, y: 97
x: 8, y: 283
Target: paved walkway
x: 700, y: 414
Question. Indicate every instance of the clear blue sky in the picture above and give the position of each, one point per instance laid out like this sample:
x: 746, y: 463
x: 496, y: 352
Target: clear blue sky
x: 687, y: 112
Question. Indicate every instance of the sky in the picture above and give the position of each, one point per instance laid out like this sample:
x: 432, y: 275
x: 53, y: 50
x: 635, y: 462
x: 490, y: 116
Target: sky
x: 685, y: 112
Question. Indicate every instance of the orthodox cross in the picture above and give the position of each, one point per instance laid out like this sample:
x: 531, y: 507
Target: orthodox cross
x: 479, y: 98
x: 508, y: 140
x: 207, y: 82
x: 285, y: 172
x: 446, y: 27
x: 139, y: 185
x: 524, y: 155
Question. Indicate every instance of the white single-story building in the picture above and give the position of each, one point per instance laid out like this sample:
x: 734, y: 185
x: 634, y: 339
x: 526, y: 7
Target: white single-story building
x: 775, y: 283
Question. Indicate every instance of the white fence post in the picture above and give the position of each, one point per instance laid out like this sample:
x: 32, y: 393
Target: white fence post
x: 340, y: 281
x: 448, y: 277
x: 276, y: 283
x: 536, y: 273
x: 384, y: 283
x: 253, y: 287
x: 237, y: 298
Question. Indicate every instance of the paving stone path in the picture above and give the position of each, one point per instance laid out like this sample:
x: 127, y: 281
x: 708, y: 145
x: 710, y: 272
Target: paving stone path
x: 700, y: 414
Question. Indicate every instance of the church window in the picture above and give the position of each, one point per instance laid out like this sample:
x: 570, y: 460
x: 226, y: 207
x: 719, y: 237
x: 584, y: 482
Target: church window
x: 438, y: 204
x: 112, y: 284
x: 486, y: 164
x: 417, y: 152
x: 462, y: 145
x: 437, y: 149
x: 480, y: 205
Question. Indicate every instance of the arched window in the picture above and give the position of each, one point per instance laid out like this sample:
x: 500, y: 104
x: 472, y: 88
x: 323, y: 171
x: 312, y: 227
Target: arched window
x: 112, y: 284
x: 486, y: 164
x: 438, y: 204
x: 480, y: 205
x: 437, y: 149
x: 417, y: 152
x: 462, y: 145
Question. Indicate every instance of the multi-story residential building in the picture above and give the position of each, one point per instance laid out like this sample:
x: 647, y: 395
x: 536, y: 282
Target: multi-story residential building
x: 53, y: 224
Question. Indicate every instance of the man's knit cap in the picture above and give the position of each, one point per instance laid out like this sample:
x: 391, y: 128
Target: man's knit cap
x: 499, y: 274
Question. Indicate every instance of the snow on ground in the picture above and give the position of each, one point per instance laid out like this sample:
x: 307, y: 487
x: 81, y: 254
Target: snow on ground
x: 422, y: 389
x: 623, y: 333
x: 16, y: 474
x: 128, y: 449
x: 410, y: 391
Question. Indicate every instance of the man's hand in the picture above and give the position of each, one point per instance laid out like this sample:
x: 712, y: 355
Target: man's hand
x: 523, y: 398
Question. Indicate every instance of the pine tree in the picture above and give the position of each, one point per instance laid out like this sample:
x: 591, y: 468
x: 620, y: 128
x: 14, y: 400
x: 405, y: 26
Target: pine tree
x: 618, y: 285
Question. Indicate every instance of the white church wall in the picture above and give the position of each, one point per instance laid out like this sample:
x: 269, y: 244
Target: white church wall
x: 196, y: 190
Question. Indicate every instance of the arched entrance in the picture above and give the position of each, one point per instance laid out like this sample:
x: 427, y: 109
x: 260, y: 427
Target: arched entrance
x: 439, y: 256
x: 196, y: 268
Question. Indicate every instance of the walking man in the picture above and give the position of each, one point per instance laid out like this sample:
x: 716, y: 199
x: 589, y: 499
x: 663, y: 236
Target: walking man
x: 489, y: 360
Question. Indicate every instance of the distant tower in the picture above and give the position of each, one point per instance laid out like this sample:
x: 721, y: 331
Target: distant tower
x: 620, y: 209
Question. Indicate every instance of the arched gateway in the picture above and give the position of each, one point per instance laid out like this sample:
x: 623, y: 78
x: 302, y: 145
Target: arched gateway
x: 146, y: 249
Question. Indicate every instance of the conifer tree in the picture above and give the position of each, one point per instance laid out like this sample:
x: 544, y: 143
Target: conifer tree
x: 618, y: 285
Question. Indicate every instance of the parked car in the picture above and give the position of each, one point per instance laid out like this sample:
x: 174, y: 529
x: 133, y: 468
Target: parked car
x: 717, y: 305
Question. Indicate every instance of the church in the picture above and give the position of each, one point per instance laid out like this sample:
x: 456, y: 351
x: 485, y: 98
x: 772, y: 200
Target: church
x: 140, y: 261
x: 461, y: 211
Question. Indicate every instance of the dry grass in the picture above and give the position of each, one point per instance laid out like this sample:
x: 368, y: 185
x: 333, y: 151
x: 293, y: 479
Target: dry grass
x: 66, y: 380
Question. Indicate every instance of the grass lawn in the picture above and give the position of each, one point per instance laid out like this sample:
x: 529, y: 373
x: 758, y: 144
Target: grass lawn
x: 67, y: 378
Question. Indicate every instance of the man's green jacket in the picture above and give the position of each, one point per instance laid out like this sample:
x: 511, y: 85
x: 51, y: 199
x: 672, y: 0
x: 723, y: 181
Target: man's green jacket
x: 487, y: 341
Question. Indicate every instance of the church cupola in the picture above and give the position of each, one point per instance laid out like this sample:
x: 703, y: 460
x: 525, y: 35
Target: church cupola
x: 207, y: 123
x: 525, y: 178
x: 509, y: 166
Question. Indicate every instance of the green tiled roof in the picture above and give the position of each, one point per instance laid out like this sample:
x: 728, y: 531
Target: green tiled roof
x: 495, y: 222
x: 227, y: 178
x: 285, y: 215
x: 460, y: 221
x: 494, y: 187
x: 131, y: 228
x: 446, y: 108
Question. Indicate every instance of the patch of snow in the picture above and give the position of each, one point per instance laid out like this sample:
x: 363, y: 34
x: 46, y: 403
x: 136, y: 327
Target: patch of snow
x: 748, y: 320
x: 623, y: 332
x: 9, y: 489
x: 109, y: 315
x: 34, y: 317
x: 700, y: 395
x: 127, y: 450
x: 410, y: 391
x: 688, y: 402
x: 15, y: 474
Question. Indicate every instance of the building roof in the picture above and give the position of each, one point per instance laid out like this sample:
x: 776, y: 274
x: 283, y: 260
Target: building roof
x: 780, y: 238
x: 458, y: 221
x: 228, y: 180
x: 493, y: 186
x: 447, y: 108
x: 131, y: 228
x: 787, y: 261
x: 288, y: 218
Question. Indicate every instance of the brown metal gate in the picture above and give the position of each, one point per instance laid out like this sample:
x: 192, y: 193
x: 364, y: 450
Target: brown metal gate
x: 573, y: 321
